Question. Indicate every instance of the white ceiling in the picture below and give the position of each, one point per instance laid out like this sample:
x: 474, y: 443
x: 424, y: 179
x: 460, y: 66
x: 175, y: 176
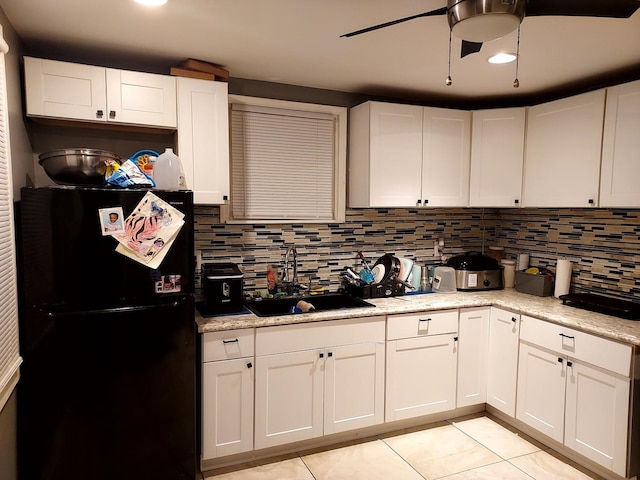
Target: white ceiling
x: 298, y: 42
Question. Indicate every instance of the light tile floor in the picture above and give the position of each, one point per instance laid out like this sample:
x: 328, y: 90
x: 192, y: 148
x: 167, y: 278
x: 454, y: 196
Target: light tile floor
x: 467, y: 448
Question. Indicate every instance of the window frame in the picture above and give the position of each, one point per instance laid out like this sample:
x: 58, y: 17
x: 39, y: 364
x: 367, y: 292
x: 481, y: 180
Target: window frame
x: 340, y: 160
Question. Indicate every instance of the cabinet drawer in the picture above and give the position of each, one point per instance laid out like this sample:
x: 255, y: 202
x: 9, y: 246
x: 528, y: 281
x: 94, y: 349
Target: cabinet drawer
x: 601, y: 352
x: 228, y: 344
x: 307, y: 336
x: 418, y: 324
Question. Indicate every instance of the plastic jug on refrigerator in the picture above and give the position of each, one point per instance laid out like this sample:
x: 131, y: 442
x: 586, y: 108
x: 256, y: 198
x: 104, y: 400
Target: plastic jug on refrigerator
x: 167, y: 171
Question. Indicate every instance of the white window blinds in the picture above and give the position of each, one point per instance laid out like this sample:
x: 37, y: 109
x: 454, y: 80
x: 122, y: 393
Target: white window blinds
x: 283, y: 164
x: 9, y: 353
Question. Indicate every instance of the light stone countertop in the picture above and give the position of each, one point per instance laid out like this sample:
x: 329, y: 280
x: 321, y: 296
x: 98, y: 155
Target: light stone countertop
x: 545, y: 308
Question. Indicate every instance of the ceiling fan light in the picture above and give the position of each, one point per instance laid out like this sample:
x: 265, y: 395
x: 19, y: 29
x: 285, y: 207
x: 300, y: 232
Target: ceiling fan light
x: 500, y: 58
x: 486, y: 27
x: 484, y: 20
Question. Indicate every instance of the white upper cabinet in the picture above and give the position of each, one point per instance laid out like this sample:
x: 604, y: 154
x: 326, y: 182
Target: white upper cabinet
x: 621, y: 147
x: 65, y: 90
x: 562, y: 153
x: 73, y: 91
x: 408, y: 156
x: 446, y: 141
x: 141, y: 98
x: 203, y: 138
x: 385, y: 157
x: 497, y: 157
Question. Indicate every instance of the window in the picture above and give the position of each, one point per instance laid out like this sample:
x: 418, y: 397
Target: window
x: 288, y: 161
x: 9, y: 353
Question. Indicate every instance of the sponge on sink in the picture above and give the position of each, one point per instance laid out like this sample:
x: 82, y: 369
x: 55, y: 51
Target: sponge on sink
x: 305, y: 306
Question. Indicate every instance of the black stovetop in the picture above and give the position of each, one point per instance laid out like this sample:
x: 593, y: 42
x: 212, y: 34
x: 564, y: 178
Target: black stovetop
x: 601, y: 304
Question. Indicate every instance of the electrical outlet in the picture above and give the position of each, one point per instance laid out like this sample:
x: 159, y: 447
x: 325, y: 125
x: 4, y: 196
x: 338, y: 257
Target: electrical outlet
x: 198, y: 260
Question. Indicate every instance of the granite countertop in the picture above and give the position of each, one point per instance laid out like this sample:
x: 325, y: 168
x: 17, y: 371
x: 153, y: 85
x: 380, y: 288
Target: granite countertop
x: 545, y: 308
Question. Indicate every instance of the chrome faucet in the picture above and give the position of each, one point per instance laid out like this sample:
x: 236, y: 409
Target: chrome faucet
x: 285, y: 275
x: 290, y: 284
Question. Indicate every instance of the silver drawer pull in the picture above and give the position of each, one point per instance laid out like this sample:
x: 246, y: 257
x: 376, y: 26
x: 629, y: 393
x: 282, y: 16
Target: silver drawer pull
x: 235, y: 340
x: 567, y: 336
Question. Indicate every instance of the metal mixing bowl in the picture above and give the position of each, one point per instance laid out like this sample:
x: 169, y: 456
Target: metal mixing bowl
x: 77, y: 166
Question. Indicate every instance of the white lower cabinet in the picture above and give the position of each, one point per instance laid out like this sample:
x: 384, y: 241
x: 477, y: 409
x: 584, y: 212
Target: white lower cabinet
x: 318, y: 378
x: 565, y: 395
x: 289, y: 398
x: 227, y: 393
x: 421, y: 364
x: 473, y: 334
x: 502, y: 360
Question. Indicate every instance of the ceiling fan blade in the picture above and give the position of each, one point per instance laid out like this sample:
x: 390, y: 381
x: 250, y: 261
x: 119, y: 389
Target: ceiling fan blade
x: 432, y: 13
x: 583, y: 8
x: 469, y: 47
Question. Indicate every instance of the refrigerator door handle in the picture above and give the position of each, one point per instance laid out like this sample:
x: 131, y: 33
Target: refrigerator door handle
x: 57, y: 313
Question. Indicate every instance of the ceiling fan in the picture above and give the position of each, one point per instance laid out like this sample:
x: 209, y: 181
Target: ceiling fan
x: 478, y: 21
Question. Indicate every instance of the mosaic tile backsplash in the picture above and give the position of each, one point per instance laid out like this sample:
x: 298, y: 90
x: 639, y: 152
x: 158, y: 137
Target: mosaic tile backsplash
x: 603, y: 244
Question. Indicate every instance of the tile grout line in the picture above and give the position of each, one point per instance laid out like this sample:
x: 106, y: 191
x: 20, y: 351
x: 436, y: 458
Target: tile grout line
x: 401, y: 457
x: 306, y: 466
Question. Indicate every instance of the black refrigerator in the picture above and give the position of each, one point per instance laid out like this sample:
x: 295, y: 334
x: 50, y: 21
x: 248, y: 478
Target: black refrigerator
x: 108, y: 384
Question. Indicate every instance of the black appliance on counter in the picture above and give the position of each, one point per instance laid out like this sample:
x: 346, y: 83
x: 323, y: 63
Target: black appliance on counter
x: 223, y: 287
x: 108, y: 384
x: 602, y: 304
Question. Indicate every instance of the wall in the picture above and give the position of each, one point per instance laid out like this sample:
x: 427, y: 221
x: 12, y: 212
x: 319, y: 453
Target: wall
x: 603, y: 244
x: 19, y: 145
x: 324, y: 250
x: 21, y: 167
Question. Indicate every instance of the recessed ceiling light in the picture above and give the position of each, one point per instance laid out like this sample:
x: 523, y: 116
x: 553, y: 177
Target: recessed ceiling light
x: 503, y: 58
x: 151, y: 3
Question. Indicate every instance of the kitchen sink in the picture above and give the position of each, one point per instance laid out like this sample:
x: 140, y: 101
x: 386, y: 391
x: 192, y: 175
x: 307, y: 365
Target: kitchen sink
x: 270, y: 307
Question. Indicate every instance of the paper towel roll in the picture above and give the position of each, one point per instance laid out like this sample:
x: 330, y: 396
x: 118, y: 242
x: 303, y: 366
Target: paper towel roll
x: 523, y: 261
x: 563, y: 277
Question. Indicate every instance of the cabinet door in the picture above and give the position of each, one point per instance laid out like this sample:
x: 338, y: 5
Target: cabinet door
x: 203, y: 138
x: 502, y: 365
x: 289, y: 397
x: 497, y: 157
x: 597, y: 415
x: 396, y: 155
x: 562, y: 154
x: 227, y: 407
x: 65, y: 90
x: 446, y: 141
x: 473, y: 348
x: 541, y: 390
x: 421, y: 376
x: 353, y: 387
x: 141, y: 98
x: 621, y: 147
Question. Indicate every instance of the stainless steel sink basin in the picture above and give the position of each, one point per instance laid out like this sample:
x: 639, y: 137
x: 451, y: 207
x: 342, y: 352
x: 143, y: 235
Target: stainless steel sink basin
x: 271, y: 307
